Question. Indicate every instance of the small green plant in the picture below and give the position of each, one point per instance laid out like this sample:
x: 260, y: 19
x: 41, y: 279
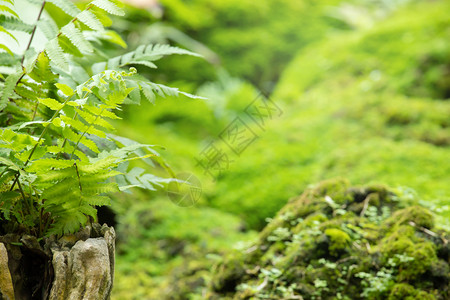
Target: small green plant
x: 58, y: 158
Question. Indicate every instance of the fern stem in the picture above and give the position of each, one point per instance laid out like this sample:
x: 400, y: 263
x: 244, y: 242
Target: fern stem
x: 21, y: 192
x: 79, y: 183
x: 34, y: 31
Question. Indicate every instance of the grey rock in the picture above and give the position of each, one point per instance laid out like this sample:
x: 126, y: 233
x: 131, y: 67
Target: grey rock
x: 86, y: 271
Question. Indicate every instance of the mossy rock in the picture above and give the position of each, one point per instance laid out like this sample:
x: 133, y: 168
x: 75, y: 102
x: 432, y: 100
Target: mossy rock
x: 322, y: 245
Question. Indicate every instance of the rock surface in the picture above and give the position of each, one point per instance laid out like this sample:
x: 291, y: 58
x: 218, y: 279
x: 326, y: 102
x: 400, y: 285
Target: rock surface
x: 72, y: 267
x: 6, y: 286
x: 86, y: 270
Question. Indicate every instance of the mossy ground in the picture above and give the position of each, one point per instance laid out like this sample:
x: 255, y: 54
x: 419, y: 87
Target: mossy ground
x: 341, y: 242
x: 370, y: 105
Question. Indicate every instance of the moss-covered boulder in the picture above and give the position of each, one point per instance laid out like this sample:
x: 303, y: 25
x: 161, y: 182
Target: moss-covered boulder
x: 341, y: 242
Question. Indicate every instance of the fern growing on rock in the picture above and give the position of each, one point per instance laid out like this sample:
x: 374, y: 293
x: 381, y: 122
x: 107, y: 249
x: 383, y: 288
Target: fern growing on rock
x: 58, y: 159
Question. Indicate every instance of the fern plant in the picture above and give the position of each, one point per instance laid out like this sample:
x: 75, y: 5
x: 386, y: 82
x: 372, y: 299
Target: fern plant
x: 58, y: 158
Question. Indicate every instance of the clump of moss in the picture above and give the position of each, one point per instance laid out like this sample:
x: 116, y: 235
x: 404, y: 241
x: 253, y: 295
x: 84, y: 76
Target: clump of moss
x: 340, y: 242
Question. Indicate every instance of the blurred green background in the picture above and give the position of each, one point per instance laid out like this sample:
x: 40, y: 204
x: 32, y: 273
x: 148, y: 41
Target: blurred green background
x: 363, y: 88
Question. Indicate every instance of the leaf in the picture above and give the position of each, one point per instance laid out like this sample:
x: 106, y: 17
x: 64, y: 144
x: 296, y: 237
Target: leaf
x: 101, y: 188
x: 9, y: 10
x: 143, y: 55
x: 48, y: 27
x: 96, y: 120
x: 66, y: 6
x: 49, y: 163
x: 41, y: 71
x: 142, y: 62
x: 8, y: 59
x: 76, y: 38
x: 8, y: 33
x: 6, y: 49
x: 65, y: 89
x: 113, y: 37
x: 108, y: 7
x: 101, y: 112
x: 56, y: 54
x: 51, y: 103
x: 68, y: 48
x: 90, y: 20
x: 155, y: 52
x: 9, y: 163
x: 8, y: 89
x: 15, y: 24
x: 97, y: 200
x: 99, y: 165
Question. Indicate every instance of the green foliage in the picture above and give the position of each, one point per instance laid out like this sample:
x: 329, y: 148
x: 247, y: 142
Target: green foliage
x: 333, y: 251
x: 154, y: 240
x: 251, y: 40
x: 57, y: 158
x: 344, y: 112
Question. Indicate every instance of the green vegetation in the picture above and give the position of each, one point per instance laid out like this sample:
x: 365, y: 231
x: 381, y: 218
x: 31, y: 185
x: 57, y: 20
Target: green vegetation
x: 56, y: 160
x: 363, y: 88
x: 339, y: 242
x: 368, y: 104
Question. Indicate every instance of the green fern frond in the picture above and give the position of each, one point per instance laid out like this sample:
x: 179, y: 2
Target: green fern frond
x: 9, y: 1
x: 67, y: 164
x: 157, y: 51
x: 7, y: 33
x: 6, y: 49
x: 69, y: 220
x: 143, y: 55
x: 46, y: 164
x: 8, y: 10
x: 12, y: 23
x: 97, y: 200
x: 25, y: 92
x: 95, y: 178
x: 64, y: 190
x: 99, y: 165
x: 102, y: 112
x: 94, y: 119
x: 51, y: 103
x: 76, y: 38
x: 137, y: 177
x: 55, y: 175
x: 8, y: 89
x: 48, y: 28
x: 41, y: 71
x: 101, y: 188
x: 90, y: 20
x: 7, y: 59
x: 66, y: 6
x: 108, y: 7
x: 56, y: 54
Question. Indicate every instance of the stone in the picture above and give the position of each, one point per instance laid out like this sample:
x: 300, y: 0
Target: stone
x: 6, y: 285
x: 86, y: 271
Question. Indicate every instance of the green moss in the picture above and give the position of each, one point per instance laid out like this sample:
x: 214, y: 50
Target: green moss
x: 401, y: 291
x: 416, y: 214
x: 339, y: 241
x: 328, y: 252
